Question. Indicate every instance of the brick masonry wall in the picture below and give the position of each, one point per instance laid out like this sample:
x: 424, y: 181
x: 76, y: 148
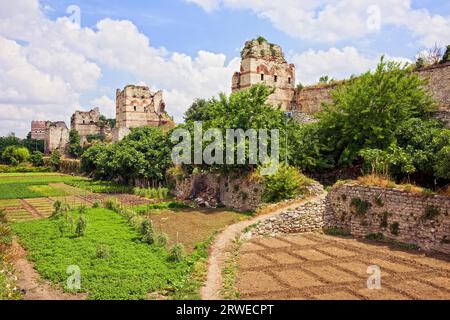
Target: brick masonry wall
x: 396, y: 214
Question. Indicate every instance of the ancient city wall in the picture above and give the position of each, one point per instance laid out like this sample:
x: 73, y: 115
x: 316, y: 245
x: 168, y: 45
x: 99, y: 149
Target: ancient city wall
x: 406, y: 217
x: 362, y: 211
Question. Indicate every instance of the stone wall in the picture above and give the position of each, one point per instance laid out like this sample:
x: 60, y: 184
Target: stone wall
x: 210, y: 190
x: 240, y: 193
x: 309, y: 100
x: 362, y: 211
x: 89, y: 124
x: 311, y: 216
x: 398, y: 215
x: 56, y: 137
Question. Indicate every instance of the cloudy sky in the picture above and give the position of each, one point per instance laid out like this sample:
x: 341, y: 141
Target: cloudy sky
x: 58, y: 56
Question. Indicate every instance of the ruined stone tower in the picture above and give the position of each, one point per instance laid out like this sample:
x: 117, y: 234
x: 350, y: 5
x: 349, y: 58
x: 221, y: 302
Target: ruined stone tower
x: 138, y: 106
x: 89, y: 124
x: 264, y: 62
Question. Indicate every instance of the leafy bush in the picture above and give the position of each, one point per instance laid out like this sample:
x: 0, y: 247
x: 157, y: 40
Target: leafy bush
x: 286, y: 183
x: 431, y: 213
x: 152, y: 193
x: 395, y: 228
x: 75, y: 148
x: 103, y: 252
x: 96, y: 205
x: 37, y: 159
x: 81, y: 226
x: 55, y: 160
x: 162, y: 239
x: 361, y: 206
x: 148, y: 232
x: 177, y: 253
x: 5, y: 237
x: 15, y: 155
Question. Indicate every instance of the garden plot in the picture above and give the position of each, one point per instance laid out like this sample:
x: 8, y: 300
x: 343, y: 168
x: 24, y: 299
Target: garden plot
x: 15, y: 211
x: 315, y: 267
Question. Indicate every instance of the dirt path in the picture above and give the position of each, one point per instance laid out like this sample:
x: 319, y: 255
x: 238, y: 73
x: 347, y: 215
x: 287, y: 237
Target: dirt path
x: 219, y: 251
x: 29, y: 280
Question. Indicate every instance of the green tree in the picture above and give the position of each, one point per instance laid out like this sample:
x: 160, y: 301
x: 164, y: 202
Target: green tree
x: 75, y: 148
x: 446, y: 56
x: 10, y: 140
x: 55, y: 160
x: 15, y: 155
x: 37, y: 159
x: 366, y: 112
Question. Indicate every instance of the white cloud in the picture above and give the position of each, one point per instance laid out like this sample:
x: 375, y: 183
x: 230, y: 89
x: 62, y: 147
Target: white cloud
x: 336, y: 63
x: 330, y: 20
x: 107, y: 106
x: 49, y: 64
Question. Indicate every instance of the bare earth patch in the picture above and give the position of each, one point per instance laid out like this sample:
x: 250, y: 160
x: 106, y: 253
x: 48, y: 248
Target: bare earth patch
x: 315, y: 266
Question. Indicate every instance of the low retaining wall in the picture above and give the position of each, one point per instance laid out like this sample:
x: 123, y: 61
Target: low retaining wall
x: 236, y: 192
x: 397, y: 215
x: 312, y: 216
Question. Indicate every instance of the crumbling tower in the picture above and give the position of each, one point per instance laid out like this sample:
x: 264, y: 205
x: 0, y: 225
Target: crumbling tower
x: 264, y: 62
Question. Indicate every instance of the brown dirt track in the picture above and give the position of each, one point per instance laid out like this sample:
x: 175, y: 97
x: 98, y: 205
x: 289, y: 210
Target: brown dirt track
x: 314, y: 267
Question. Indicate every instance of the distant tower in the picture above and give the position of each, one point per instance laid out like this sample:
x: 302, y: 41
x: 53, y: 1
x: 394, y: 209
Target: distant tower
x: 138, y: 106
x: 264, y: 62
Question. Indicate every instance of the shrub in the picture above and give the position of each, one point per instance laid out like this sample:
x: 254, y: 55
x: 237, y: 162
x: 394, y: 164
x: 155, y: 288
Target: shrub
x: 162, y: 239
x: 37, y: 159
x: 15, y: 155
x: 395, y: 228
x: 375, y: 237
x: 81, y: 226
x: 384, y: 219
x: 113, y: 205
x: 286, y: 183
x: 5, y: 236
x: 431, y: 213
x: 379, y: 201
x: 361, y: 206
x: 177, y: 253
x: 3, y: 218
x: 55, y: 160
x: 59, y: 209
x: 148, y: 232
x: 96, y: 205
x: 339, y: 232
x: 75, y: 148
x: 103, y: 252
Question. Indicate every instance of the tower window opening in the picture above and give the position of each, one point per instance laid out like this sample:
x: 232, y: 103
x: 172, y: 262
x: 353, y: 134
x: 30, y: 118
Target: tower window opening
x: 135, y: 108
x: 262, y: 76
x: 275, y: 78
x: 289, y: 80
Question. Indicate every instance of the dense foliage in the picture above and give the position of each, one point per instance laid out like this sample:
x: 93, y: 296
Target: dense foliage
x: 143, y: 154
x: 74, y: 148
x: 15, y: 155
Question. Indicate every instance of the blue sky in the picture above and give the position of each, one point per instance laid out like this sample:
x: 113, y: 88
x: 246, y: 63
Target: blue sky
x: 189, y: 48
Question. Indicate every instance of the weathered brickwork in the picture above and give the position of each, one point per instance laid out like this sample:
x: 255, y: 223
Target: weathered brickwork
x: 138, y: 106
x: 363, y: 211
x: 264, y: 62
x: 405, y: 217
x: 38, y: 129
x: 89, y: 124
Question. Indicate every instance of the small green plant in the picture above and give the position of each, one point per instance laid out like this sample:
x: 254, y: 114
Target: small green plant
x: 5, y: 237
x: 361, y: 206
x: 103, y: 252
x: 96, y: 205
x: 177, y: 253
x: 337, y: 232
x: 3, y: 218
x: 81, y: 226
x: 428, y: 192
x: 82, y: 209
x: 148, y: 232
x: 384, y: 219
x: 379, y: 201
x: 162, y: 239
x: 431, y: 213
x: 395, y: 228
x: 261, y: 40
x: 375, y: 237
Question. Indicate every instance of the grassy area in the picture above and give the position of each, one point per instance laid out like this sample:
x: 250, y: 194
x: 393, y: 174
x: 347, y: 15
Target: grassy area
x: 132, y: 270
x: 100, y: 186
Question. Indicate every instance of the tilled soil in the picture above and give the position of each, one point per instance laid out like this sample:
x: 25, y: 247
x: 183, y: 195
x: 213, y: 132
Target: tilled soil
x: 315, y: 267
